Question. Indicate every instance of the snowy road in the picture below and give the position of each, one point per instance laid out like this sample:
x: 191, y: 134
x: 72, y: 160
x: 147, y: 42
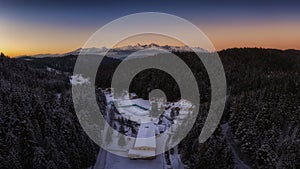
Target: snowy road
x: 238, y: 162
x: 107, y: 160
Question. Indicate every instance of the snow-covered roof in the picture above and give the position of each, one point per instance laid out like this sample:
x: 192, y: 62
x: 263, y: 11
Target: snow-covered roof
x: 141, y: 153
x: 135, y: 109
x: 140, y: 102
x: 146, y: 136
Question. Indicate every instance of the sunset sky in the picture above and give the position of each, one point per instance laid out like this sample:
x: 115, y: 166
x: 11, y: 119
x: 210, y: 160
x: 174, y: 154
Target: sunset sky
x: 45, y: 26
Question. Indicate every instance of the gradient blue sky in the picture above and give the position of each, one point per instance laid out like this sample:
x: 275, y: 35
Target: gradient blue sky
x: 45, y: 26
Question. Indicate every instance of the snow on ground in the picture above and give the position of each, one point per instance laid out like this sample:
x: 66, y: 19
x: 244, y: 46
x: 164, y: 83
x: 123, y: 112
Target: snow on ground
x: 134, y: 109
x: 58, y: 96
x: 139, y: 109
x: 78, y: 80
x: 107, y: 160
x: 114, y: 146
x: 49, y: 69
x: 284, y: 137
x: 175, y: 160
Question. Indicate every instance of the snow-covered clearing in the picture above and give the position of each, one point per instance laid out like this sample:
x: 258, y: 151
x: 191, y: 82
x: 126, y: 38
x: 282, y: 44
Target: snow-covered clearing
x: 49, y: 69
x: 78, y: 80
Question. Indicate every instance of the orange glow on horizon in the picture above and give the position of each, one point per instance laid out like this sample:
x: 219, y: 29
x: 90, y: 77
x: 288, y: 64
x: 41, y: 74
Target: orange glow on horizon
x: 279, y: 35
x: 29, y: 39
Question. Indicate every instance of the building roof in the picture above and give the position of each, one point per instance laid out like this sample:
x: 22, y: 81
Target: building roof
x: 141, y: 153
x: 146, y: 136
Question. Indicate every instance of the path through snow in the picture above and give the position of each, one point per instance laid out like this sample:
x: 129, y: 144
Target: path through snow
x: 227, y: 133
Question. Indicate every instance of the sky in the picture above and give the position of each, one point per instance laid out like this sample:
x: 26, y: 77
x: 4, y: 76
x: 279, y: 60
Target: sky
x: 47, y: 26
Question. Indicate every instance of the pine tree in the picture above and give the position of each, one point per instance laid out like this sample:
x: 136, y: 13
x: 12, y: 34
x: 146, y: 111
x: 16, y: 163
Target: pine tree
x: 39, y: 160
x: 109, y: 134
x: 122, y: 141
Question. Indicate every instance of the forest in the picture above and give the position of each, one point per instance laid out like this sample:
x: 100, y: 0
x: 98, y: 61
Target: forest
x: 259, y: 128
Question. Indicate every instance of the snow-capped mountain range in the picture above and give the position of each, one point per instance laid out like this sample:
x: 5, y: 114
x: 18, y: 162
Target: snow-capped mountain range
x: 122, y: 52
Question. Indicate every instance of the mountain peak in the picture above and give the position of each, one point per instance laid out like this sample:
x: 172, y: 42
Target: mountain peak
x: 124, y: 50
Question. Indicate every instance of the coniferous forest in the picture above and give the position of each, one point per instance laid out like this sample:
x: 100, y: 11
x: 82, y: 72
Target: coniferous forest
x: 259, y: 128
